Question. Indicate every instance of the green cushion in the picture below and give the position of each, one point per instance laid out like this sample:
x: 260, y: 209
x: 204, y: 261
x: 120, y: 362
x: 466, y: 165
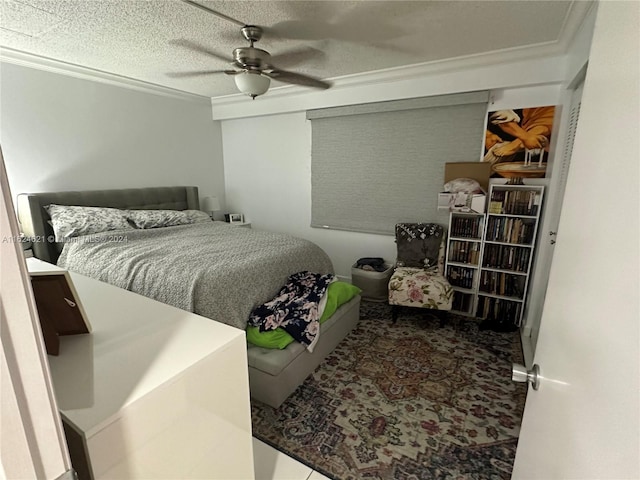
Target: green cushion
x: 338, y: 294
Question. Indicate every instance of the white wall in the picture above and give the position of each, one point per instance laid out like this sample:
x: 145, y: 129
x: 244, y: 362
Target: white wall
x: 268, y: 167
x: 268, y: 178
x: 59, y: 132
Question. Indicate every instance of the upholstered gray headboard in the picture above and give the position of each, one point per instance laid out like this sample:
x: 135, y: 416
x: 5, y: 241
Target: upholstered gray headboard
x: 34, y: 220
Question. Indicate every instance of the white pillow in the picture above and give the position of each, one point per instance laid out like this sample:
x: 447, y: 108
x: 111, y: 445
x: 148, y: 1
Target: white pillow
x: 165, y: 218
x: 462, y: 185
x: 198, y: 216
x: 74, y: 221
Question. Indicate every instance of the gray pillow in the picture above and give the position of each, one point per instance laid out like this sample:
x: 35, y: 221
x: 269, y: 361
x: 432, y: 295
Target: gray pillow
x: 418, y: 244
x: 73, y: 221
x: 165, y: 218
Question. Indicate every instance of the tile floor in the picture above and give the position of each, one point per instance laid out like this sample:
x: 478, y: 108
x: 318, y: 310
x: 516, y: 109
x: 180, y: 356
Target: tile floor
x: 270, y: 464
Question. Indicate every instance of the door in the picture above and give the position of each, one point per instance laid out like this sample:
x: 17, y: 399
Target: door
x: 549, y: 228
x: 583, y: 422
x: 32, y: 444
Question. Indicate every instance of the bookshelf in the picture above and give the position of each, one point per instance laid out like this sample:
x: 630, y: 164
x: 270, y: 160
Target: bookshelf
x: 508, y: 246
x: 464, y: 249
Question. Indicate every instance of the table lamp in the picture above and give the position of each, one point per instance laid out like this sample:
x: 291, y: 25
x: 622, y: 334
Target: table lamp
x: 210, y: 205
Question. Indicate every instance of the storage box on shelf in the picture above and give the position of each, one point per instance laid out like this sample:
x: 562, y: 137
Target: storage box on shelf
x: 508, y: 250
x: 464, y: 251
x: 465, y: 202
x: 462, y: 202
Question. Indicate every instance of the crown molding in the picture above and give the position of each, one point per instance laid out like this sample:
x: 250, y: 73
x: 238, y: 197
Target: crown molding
x: 16, y: 57
x: 577, y: 17
x: 547, y: 55
x: 542, y: 65
x: 417, y: 70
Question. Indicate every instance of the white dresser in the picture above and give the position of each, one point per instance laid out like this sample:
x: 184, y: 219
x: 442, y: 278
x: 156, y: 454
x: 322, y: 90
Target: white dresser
x: 153, y: 391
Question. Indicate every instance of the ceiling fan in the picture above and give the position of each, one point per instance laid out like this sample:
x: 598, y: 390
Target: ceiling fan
x: 253, y: 67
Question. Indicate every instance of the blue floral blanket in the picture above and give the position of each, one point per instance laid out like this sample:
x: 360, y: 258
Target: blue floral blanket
x: 295, y: 308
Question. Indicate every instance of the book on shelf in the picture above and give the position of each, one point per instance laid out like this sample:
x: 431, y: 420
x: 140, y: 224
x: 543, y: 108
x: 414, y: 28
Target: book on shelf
x: 495, y: 207
x: 460, y: 276
x: 465, y: 252
x: 510, y: 230
x: 462, y: 302
x: 499, y: 315
x: 467, y: 227
x: 515, y: 202
x: 536, y: 204
x: 506, y: 257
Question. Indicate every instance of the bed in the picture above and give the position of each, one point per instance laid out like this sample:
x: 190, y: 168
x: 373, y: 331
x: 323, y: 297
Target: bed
x: 214, y: 269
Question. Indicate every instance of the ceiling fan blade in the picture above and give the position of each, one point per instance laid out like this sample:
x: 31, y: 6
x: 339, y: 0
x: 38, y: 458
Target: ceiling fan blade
x: 199, y: 48
x: 198, y: 73
x: 297, y: 79
x: 217, y: 14
x: 292, y: 57
x: 349, y: 22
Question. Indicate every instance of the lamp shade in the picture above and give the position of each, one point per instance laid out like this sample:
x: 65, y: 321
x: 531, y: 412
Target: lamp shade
x: 210, y: 204
x: 252, y: 83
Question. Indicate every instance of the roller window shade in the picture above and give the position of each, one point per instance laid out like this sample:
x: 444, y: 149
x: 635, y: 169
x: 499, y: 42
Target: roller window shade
x: 375, y: 165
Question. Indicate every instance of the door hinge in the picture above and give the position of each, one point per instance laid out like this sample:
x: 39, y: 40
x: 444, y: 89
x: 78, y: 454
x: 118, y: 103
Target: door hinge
x: 68, y: 475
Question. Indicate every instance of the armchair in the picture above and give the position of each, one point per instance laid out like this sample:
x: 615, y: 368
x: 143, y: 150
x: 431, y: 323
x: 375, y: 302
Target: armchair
x: 418, y: 279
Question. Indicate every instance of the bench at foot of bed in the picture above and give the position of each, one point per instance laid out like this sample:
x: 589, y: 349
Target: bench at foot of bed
x: 275, y: 374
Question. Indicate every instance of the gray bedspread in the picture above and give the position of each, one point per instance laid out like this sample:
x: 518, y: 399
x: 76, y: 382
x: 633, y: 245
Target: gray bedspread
x: 216, y: 270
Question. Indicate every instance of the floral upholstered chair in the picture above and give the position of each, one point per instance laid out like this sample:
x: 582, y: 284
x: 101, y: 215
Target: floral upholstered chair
x: 418, y: 279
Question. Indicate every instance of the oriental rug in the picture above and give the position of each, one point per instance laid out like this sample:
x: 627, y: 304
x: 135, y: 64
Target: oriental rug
x: 410, y: 400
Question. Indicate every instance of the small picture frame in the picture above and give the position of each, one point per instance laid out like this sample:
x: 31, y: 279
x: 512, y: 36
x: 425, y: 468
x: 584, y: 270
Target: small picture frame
x: 236, y: 218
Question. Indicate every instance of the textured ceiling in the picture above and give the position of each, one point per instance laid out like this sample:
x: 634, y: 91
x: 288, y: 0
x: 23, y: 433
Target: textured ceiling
x: 132, y: 38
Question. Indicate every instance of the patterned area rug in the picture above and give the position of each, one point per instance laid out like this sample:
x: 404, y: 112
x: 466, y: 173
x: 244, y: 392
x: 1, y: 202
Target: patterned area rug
x: 405, y: 401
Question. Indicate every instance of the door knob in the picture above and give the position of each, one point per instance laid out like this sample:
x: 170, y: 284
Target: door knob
x: 519, y: 373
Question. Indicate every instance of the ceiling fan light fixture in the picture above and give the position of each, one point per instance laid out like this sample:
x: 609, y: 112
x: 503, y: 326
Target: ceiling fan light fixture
x: 252, y: 83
